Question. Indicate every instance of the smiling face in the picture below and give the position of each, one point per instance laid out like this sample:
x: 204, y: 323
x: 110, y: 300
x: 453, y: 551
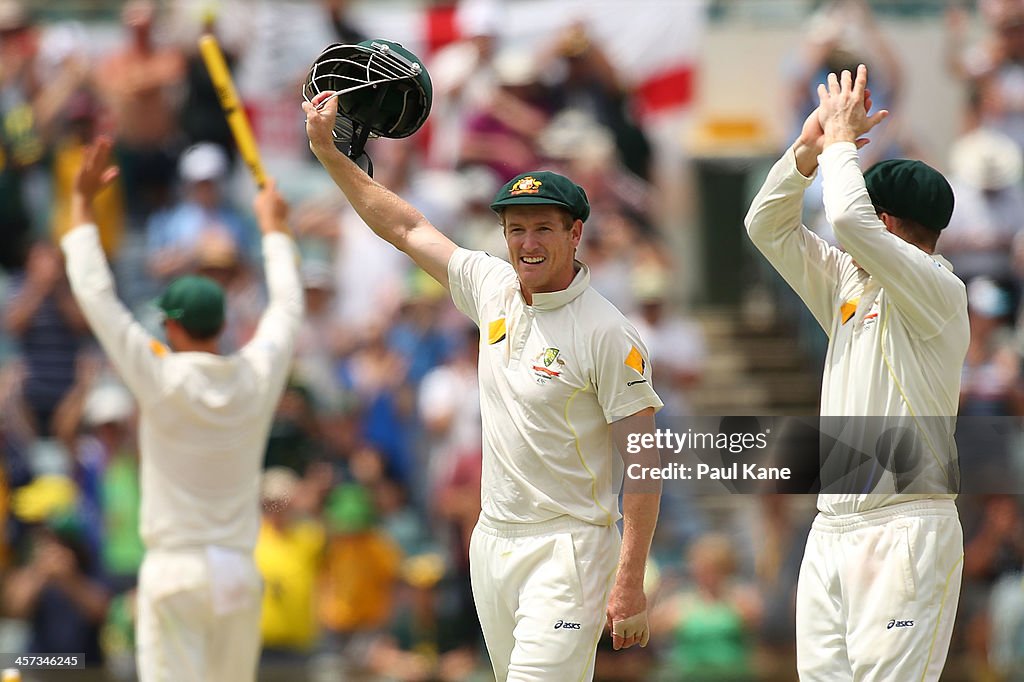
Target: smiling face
x: 542, y: 241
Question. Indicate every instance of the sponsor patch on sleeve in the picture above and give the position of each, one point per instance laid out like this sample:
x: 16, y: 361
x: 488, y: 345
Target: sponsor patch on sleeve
x: 635, y: 361
x: 496, y: 331
x: 848, y: 309
x: 156, y: 348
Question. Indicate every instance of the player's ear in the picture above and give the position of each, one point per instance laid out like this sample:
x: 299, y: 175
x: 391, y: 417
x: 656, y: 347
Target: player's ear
x: 171, y: 330
x: 888, y: 220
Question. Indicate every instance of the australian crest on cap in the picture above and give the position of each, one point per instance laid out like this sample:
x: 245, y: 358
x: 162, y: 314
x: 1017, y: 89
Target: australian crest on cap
x: 527, y: 185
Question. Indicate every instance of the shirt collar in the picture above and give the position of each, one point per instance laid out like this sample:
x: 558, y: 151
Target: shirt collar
x: 941, y: 260
x: 557, y: 299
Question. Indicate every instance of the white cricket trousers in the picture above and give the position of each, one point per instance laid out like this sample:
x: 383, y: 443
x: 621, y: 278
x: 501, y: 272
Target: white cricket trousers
x: 878, y: 592
x: 541, y: 593
x: 196, y: 621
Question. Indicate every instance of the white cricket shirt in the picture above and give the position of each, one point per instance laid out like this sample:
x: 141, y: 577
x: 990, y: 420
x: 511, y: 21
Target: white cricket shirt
x: 896, y: 320
x: 204, y: 418
x: 553, y: 376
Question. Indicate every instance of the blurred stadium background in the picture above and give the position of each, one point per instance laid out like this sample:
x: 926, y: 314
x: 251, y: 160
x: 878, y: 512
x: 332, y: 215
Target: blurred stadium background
x: 667, y: 111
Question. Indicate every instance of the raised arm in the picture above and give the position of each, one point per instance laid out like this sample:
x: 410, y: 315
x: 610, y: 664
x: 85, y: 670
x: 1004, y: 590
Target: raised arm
x: 811, y: 266
x: 808, y: 264
x: 387, y: 214
x: 273, y: 343
x: 926, y: 292
x: 131, y: 349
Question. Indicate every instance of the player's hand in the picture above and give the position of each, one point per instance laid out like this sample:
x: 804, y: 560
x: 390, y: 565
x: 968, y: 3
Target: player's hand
x: 811, y: 141
x: 627, y: 616
x: 96, y: 171
x: 841, y: 109
x: 271, y: 209
x: 320, y: 121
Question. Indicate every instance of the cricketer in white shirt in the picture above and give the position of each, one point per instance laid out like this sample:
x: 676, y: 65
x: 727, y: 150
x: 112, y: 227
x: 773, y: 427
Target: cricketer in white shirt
x: 204, y: 420
x: 563, y: 376
x: 880, y: 579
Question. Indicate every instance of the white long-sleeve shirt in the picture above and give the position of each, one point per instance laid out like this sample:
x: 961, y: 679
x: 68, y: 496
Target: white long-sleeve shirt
x: 896, y: 316
x: 204, y: 418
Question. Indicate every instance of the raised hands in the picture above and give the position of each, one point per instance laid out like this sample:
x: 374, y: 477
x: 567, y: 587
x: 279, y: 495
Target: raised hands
x: 844, y: 108
x: 832, y: 115
x: 97, y: 170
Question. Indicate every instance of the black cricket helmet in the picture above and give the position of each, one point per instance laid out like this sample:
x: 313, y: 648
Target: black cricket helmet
x: 381, y: 86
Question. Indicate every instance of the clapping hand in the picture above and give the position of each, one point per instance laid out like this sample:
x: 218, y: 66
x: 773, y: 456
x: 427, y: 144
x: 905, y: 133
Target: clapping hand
x: 844, y: 108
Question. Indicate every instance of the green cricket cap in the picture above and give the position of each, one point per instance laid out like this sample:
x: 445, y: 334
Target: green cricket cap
x: 912, y: 190
x: 197, y: 303
x: 543, y: 187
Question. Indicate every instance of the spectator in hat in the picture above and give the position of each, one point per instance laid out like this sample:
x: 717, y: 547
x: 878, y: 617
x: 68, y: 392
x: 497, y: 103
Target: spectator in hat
x: 677, y: 343
x: 96, y: 424
x: 174, y: 235
x: 359, y: 574
x: 475, y: 227
x: 218, y: 257
x: 316, y: 350
x: 501, y: 132
x: 288, y: 552
x: 988, y: 216
x: 586, y: 150
x: 994, y: 67
x: 588, y: 80
x: 57, y: 586
x: 462, y: 74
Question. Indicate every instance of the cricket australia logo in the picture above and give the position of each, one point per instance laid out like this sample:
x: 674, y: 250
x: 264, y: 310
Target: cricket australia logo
x: 527, y: 185
x: 546, y: 365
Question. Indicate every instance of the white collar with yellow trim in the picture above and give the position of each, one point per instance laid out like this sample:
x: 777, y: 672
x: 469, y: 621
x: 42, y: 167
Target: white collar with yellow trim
x: 557, y: 299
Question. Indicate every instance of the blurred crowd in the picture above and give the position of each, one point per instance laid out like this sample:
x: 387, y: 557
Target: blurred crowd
x: 372, y: 472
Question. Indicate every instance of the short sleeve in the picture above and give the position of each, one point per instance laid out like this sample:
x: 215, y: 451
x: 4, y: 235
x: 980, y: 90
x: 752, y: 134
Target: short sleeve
x: 622, y: 370
x: 471, y: 274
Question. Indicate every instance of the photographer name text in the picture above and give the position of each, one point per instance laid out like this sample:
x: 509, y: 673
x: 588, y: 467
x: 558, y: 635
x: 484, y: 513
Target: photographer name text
x: 749, y: 471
